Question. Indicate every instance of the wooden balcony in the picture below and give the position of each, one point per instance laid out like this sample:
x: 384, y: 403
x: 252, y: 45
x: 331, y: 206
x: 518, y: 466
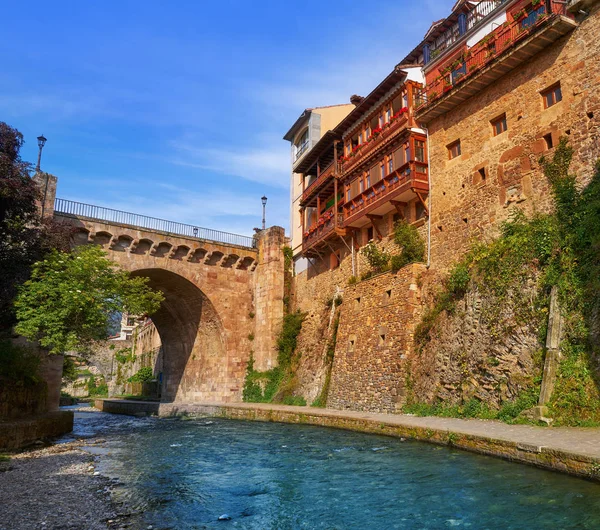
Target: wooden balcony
x: 322, y: 183
x: 402, y: 185
x: 375, y: 143
x: 322, y: 231
x: 497, y: 53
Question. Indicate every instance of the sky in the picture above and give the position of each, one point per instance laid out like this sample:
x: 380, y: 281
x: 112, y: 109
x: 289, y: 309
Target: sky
x: 177, y: 109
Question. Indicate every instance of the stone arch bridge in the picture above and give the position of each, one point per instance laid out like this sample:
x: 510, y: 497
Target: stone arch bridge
x: 223, y: 294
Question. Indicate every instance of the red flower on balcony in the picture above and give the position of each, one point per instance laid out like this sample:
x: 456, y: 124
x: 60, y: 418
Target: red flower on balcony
x: 376, y: 131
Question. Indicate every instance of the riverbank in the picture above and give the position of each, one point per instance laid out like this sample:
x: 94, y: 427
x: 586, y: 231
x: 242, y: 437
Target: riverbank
x: 575, y: 451
x: 58, y: 487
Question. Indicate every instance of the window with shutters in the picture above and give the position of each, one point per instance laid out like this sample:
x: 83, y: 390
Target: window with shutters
x: 390, y: 165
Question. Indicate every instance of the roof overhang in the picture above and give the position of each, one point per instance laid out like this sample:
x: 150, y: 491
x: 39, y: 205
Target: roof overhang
x: 302, y: 119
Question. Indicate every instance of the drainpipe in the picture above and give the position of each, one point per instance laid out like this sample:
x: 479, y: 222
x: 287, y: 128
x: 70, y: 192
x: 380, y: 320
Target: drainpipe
x: 428, y: 203
x: 353, y: 258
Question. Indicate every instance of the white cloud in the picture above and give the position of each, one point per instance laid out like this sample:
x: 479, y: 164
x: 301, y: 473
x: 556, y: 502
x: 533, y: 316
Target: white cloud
x: 269, y: 166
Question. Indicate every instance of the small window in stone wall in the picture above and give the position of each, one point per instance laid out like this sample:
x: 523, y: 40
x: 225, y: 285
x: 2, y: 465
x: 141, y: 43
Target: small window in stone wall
x: 351, y: 343
x: 357, y: 301
x: 499, y: 125
x: 551, y: 95
x: 369, y: 233
x: 454, y: 149
x: 382, y: 339
x: 548, y: 141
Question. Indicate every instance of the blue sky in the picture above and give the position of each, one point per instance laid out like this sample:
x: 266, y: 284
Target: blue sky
x: 177, y: 109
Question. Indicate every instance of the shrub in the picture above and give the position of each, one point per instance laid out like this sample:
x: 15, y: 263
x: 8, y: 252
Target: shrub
x: 298, y: 401
x: 18, y: 363
x: 378, y: 259
x: 143, y: 375
x: 408, y: 238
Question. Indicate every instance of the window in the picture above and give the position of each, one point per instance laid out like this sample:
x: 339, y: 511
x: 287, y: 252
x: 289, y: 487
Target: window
x: 382, y: 170
x: 499, y: 125
x: 361, y: 185
x: 407, y: 154
x: 388, y: 115
x: 369, y: 233
x: 482, y: 174
x: 348, y: 196
x: 301, y: 145
x: 368, y: 180
x: 548, y: 141
x: 551, y: 95
x: 419, y: 151
x: 381, y: 121
x: 390, y: 166
x: 454, y: 149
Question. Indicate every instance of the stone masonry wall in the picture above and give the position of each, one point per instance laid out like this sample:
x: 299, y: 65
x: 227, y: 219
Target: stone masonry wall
x: 465, y: 206
x: 268, y: 285
x: 375, y: 341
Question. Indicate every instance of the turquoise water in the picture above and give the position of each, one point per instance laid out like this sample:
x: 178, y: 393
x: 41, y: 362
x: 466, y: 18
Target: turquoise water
x: 185, y: 474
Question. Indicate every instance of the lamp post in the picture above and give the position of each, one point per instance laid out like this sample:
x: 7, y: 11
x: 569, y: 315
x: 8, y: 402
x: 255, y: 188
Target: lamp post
x: 41, y: 142
x: 264, y: 203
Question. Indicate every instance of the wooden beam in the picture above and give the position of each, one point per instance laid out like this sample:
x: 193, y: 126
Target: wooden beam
x: 400, y: 207
x: 423, y: 203
x: 373, y: 218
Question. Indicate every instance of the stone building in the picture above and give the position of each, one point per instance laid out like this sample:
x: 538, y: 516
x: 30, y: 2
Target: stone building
x: 504, y: 80
x: 494, y: 86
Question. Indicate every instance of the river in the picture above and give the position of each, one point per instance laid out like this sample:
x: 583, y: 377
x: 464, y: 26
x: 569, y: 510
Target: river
x: 186, y: 474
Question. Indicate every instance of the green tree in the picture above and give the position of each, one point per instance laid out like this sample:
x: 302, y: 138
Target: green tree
x: 70, y: 297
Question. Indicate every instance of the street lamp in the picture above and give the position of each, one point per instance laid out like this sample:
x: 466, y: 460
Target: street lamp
x: 264, y: 203
x: 41, y: 142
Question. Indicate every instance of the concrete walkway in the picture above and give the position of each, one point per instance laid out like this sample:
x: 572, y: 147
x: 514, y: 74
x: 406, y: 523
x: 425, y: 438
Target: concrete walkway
x: 584, y: 441
x: 567, y: 449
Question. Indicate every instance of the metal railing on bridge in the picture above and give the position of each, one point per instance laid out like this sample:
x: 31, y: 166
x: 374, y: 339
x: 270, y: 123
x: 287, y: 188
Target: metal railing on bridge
x: 99, y: 213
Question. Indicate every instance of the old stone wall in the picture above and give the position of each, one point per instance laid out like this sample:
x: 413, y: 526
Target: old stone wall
x: 375, y: 341
x: 472, y: 193
x: 268, y: 286
x: 467, y: 357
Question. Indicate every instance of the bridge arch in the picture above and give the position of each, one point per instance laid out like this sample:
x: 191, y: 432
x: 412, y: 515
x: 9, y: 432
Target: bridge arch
x: 194, y: 342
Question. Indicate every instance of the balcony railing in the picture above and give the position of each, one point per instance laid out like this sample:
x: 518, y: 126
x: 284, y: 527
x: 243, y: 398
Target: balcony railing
x: 488, y: 49
x: 473, y: 19
x: 412, y: 174
x: 315, y: 184
x: 375, y: 141
x: 323, y: 228
x: 98, y: 213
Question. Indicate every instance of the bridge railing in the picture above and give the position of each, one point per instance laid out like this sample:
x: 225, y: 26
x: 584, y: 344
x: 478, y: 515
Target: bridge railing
x: 99, y: 213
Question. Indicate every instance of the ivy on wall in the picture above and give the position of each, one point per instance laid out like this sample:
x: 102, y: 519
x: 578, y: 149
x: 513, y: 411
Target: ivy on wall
x: 559, y: 249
